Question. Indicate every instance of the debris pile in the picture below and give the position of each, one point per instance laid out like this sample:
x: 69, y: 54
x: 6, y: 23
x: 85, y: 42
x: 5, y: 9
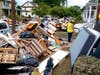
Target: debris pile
x: 26, y: 46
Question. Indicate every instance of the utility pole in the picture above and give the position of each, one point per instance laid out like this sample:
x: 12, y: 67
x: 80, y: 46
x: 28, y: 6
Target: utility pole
x: 13, y: 15
x: 66, y: 3
x: 97, y: 26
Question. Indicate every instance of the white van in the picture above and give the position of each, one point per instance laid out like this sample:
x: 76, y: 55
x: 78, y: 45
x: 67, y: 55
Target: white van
x: 4, y: 27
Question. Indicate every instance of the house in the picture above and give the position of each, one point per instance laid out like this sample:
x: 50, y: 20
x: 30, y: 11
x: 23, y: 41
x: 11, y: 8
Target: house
x: 90, y: 11
x: 5, y: 8
x: 27, y: 8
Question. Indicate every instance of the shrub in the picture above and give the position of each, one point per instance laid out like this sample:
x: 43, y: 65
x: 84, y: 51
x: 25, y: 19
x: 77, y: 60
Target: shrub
x: 78, y: 19
x: 87, y: 65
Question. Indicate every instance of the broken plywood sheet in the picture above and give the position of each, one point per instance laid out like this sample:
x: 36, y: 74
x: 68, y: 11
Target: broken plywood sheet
x: 57, y: 56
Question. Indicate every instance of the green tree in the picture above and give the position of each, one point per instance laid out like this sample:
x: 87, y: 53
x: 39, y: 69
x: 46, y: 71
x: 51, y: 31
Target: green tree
x: 41, y: 10
x: 51, y: 3
x: 58, y: 11
x: 18, y: 7
x: 74, y: 11
x: 68, y: 12
x: 78, y: 19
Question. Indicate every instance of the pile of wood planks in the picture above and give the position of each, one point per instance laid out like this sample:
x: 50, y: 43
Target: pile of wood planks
x: 8, y: 55
x: 33, y: 47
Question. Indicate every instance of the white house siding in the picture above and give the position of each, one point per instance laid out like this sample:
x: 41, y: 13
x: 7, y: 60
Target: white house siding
x: 27, y: 9
x: 89, y: 13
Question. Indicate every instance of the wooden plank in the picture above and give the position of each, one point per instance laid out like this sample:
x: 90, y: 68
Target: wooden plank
x: 39, y: 45
x: 8, y: 55
x: 42, y: 31
x: 37, y: 36
x: 28, y: 47
x: 42, y: 42
x: 36, y: 46
x: 20, y: 43
x: 31, y: 51
x: 34, y: 50
x: 24, y: 50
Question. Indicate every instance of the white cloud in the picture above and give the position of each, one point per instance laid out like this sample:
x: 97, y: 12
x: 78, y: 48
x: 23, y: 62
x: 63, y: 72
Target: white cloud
x: 20, y: 2
x: 80, y: 3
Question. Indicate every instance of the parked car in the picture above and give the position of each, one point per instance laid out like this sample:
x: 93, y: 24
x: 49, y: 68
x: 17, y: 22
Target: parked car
x: 4, y: 27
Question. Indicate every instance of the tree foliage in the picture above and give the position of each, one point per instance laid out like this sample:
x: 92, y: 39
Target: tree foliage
x: 51, y: 3
x: 41, y: 10
x: 18, y: 7
x: 44, y: 9
x: 68, y: 12
x: 78, y: 18
x: 58, y: 11
x: 73, y: 11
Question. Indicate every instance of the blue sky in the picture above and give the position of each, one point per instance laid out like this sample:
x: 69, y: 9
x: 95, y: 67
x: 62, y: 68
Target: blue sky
x: 80, y: 3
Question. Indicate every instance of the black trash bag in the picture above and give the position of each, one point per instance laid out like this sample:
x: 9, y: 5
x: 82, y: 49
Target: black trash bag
x: 31, y: 61
x: 49, y: 66
x: 27, y: 34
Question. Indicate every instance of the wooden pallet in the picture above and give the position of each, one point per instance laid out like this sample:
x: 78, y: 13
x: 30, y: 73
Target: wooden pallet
x: 33, y: 47
x: 8, y: 55
x: 42, y: 31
